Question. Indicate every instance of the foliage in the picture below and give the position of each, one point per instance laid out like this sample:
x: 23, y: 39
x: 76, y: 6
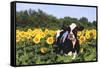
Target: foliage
x: 40, y: 51
x: 35, y: 32
x: 33, y: 19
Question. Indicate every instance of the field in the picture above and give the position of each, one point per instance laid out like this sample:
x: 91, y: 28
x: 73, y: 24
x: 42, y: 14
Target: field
x: 35, y: 46
x: 35, y: 36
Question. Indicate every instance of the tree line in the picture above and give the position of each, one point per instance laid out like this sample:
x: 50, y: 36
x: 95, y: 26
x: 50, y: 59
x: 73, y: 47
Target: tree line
x: 32, y: 19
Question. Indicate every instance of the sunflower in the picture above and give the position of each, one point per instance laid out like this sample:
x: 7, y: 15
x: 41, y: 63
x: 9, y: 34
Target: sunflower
x: 42, y: 35
x: 18, y: 38
x: 43, y: 50
x: 91, y: 33
x: 87, y: 35
x: 94, y: 31
x: 37, y: 31
x: 79, y: 33
x: 29, y: 30
x: 17, y: 31
x: 36, y: 40
x: 52, y: 33
x: 50, y: 40
x: 94, y: 37
x: 33, y: 33
x: 22, y: 34
x: 46, y: 31
x: 82, y: 39
x: 38, y: 36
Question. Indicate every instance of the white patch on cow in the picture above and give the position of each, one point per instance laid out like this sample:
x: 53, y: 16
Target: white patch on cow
x: 70, y: 53
x: 72, y: 26
x: 74, y: 55
x: 64, y: 36
x: 58, y: 33
x: 74, y: 42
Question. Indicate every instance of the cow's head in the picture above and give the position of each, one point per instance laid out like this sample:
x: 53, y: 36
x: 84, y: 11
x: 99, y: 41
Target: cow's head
x: 72, y: 31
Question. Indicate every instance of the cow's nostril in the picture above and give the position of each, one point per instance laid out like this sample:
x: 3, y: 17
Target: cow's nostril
x: 71, y: 35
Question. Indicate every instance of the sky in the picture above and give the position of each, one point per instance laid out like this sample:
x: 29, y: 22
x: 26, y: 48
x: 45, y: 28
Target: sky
x: 61, y: 11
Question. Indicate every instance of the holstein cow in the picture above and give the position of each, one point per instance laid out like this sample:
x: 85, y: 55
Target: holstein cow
x: 66, y: 41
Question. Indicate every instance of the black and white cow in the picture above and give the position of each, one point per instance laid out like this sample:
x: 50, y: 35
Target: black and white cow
x: 66, y: 40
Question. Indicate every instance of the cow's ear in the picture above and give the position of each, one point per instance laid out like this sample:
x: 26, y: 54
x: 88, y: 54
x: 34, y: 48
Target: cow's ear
x: 68, y: 28
x: 80, y: 28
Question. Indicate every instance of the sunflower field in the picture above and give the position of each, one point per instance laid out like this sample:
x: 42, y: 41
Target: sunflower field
x: 35, y: 46
x: 35, y: 37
